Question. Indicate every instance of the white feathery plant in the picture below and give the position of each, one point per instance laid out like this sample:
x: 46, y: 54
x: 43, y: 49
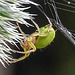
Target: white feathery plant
x: 10, y: 11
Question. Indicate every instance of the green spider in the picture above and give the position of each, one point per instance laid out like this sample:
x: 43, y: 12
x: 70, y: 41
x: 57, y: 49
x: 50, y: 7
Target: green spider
x: 37, y: 40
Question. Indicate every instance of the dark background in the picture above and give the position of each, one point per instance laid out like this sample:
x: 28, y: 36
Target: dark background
x: 56, y: 59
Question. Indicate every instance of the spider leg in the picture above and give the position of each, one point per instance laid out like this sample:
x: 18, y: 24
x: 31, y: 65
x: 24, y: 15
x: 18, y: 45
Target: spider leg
x: 27, y: 53
x: 20, y: 52
x: 36, y: 25
x: 50, y: 23
x: 9, y: 58
x: 21, y: 58
x: 21, y: 31
x: 38, y: 29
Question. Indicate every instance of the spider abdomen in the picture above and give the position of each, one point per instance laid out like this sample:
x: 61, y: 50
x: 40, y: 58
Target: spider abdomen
x: 43, y: 41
